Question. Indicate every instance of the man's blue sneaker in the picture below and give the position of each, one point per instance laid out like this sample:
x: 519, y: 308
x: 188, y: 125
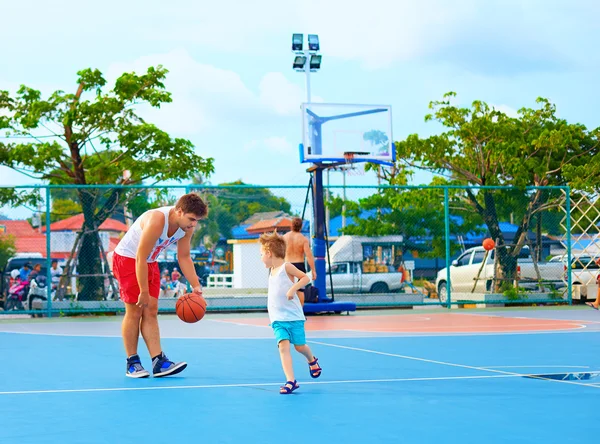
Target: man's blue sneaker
x: 161, y: 366
x: 135, y: 369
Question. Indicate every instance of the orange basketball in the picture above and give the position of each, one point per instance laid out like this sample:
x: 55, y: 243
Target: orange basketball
x: 489, y: 244
x: 190, y: 307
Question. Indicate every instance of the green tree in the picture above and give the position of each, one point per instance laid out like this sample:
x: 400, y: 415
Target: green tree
x: 92, y: 137
x: 483, y: 146
x: 7, y: 249
x: 63, y: 209
x: 415, y: 213
x: 230, y: 204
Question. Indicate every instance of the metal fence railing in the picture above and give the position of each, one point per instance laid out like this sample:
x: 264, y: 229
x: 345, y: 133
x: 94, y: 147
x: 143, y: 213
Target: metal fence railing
x: 388, y: 246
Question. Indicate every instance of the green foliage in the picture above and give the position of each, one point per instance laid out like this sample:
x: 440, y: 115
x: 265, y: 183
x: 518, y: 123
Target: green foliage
x: 93, y: 136
x: 336, y: 205
x: 7, y: 249
x: 231, y: 204
x: 515, y: 294
x: 415, y: 213
x: 483, y: 146
x: 244, y: 202
x: 63, y: 209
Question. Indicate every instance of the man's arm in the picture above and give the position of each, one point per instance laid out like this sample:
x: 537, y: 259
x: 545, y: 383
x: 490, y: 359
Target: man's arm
x: 310, y: 258
x: 185, y: 261
x: 152, y: 228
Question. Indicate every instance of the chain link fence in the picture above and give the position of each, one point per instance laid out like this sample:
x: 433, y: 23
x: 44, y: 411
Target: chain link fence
x: 387, y: 246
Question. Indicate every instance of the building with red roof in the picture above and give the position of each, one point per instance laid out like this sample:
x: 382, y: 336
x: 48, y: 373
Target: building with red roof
x: 27, y: 239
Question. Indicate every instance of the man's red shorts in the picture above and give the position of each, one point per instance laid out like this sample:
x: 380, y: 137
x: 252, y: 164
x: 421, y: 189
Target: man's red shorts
x: 124, y: 271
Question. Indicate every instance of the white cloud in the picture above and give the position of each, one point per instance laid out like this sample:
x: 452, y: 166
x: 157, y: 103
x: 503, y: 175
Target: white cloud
x: 200, y: 92
x: 376, y: 33
x: 205, y: 96
x: 278, y: 94
x: 281, y: 95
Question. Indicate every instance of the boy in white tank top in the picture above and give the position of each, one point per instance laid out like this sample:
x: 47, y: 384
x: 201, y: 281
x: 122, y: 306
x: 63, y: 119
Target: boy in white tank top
x: 285, y: 311
x: 136, y: 270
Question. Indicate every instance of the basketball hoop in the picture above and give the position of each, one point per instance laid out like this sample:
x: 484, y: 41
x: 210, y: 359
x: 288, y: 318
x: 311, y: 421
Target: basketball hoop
x: 350, y: 168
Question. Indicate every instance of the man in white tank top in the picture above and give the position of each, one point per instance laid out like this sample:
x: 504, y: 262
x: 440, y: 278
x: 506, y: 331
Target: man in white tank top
x: 136, y: 269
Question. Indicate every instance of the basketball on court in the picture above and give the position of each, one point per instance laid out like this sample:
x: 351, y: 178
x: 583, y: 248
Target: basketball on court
x: 190, y: 307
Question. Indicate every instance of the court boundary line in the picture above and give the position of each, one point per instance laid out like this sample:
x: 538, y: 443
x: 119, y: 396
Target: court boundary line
x: 274, y: 384
x: 528, y: 317
x: 535, y: 366
x: 451, y: 364
x: 372, y: 334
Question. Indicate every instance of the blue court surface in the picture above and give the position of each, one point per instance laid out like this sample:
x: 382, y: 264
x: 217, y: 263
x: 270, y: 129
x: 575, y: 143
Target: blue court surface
x: 63, y: 381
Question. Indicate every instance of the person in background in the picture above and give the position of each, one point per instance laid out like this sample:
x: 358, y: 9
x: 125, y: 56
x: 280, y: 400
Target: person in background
x: 297, y: 247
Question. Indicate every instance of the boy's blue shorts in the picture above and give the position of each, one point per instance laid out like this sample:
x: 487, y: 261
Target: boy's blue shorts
x: 292, y: 331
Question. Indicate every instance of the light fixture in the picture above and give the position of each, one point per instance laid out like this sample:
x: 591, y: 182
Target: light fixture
x: 297, y: 42
x: 313, y: 42
x: 299, y: 62
x: 315, y: 62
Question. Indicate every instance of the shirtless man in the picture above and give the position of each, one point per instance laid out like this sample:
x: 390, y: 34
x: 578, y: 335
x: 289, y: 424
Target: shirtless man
x: 297, y: 247
x: 136, y: 269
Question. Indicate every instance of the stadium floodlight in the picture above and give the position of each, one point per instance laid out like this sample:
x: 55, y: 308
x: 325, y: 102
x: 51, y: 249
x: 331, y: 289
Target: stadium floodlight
x: 315, y: 62
x: 313, y: 42
x: 306, y: 59
x: 297, y: 42
x: 299, y: 62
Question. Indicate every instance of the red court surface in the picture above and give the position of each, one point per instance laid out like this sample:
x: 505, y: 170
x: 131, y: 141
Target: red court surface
x: 427, y: 323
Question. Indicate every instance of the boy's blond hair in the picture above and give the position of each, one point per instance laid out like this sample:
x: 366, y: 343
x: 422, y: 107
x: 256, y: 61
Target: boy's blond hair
x: 274, y: 243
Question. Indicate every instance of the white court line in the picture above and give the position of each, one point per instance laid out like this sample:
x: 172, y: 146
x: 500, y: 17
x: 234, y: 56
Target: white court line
x: 263, y: 384
x: 536, y: 366
x: 527, y: 317
x: 238, y: 323
x: 450, y: 364
x: 310, y: 334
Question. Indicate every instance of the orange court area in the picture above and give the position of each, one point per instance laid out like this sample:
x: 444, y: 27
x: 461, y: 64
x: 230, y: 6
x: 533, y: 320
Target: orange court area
x: 426, y: 323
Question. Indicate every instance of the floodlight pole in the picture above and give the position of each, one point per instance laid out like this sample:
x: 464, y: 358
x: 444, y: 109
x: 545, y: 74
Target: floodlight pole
x: 307, y: 72
x: 319, y: 245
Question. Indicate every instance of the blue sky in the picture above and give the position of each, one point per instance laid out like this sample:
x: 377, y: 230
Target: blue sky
x: 237, y: 97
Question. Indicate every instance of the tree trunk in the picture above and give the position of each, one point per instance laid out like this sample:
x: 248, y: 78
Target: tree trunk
x: 507, y: 262
x: 90, y: 255
x: 89, y: 263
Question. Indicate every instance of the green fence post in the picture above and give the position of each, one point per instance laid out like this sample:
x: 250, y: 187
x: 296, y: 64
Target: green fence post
x: 569, y: 280
x: 48, y: 255
x: 447, y: 230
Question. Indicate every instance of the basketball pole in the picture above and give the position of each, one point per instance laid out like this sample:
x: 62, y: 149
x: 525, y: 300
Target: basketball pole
x: 319, y: 247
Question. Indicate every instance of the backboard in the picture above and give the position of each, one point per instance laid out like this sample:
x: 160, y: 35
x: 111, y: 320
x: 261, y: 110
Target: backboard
x: 329, y: 130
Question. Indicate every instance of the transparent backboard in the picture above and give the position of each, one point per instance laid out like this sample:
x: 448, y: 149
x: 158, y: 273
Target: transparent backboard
x: 330, y: 130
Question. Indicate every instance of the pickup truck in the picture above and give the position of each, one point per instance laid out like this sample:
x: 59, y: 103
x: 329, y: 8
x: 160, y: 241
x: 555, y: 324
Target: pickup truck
x: 463, y: 272
x: 349, y: 277
x: 584, y: 273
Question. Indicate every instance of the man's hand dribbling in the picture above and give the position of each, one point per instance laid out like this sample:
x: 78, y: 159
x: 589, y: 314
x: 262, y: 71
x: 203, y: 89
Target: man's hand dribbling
x: 198, y: 290
x: 143, y: 299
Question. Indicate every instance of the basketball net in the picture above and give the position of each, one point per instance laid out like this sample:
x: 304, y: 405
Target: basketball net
x: 350, y: 168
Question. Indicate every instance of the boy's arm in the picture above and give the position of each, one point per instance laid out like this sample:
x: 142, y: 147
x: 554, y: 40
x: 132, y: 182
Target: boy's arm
x: 303, y: 279
x: 151, y: 231
x: 310, y: 258
x: 185, y: 261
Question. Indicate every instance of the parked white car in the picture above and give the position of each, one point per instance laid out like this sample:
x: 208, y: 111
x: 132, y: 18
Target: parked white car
x: 584, y: 273
x: 464, y: 272
x: 348, y: 277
